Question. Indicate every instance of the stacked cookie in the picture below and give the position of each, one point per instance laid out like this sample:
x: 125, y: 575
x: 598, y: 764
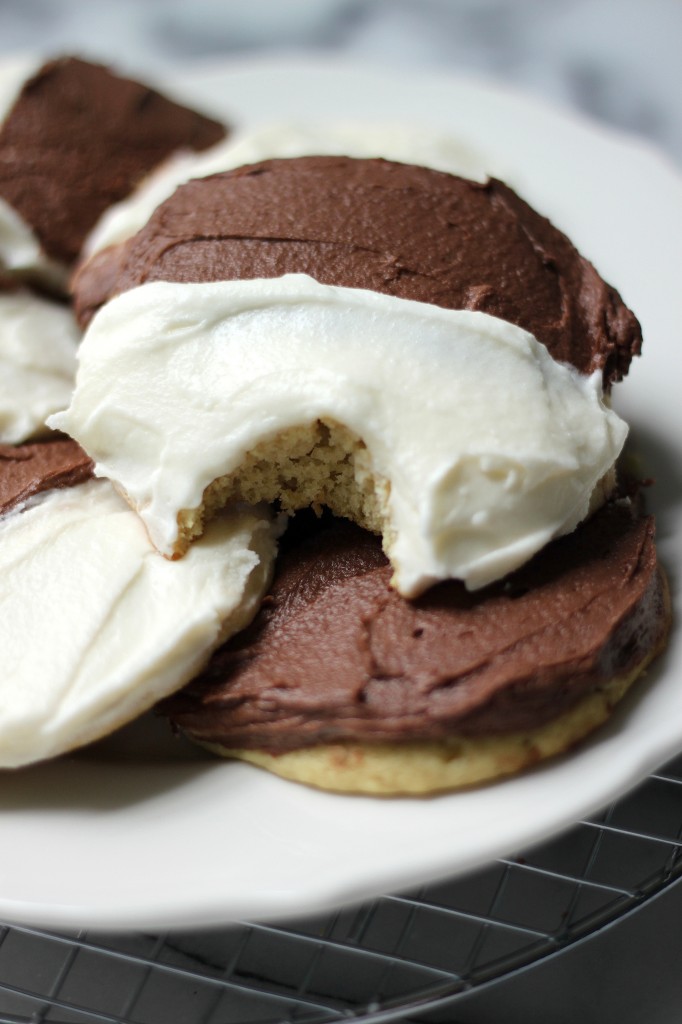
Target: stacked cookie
x: 74, y: 138
x: 96, y: 626
x: 425, y: 356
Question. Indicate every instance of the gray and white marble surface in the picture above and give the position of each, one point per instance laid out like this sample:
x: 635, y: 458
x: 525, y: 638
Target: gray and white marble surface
x: 616, y: 60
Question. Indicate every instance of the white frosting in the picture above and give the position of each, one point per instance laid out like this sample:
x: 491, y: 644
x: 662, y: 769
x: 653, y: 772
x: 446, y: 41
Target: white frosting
x: 38, y: 344
x: 20, y: 250
x: 13, y: 74
x: 404, y: 144
x: 96, y: 626
x: 22, y: 254
x: 490, y: 446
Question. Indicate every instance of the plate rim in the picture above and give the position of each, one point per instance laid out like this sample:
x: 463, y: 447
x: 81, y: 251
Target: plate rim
x: 315, y: 895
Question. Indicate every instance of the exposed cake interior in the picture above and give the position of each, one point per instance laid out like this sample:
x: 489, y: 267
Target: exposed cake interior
x: 320, y: 465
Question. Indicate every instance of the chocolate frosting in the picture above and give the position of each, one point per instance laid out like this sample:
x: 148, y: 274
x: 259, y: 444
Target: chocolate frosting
x: 407, y: 231
x: 78, y: 139
x: 29, y: 469
x: 336, y: 654
x: 7, y: 283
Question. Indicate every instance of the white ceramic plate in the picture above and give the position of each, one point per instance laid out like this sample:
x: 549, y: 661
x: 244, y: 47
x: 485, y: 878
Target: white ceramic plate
x: 115, y: 839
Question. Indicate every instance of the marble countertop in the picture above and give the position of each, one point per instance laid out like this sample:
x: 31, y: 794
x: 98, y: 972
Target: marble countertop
x: 616, y: 60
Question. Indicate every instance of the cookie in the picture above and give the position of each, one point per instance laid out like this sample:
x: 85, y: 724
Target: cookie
x: 421, y: 353
x: 342, y: 684
x: 95, y: 625
x: 74, y: 139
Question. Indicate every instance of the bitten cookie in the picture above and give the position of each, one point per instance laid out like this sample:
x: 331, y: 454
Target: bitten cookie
x: 421, y: 353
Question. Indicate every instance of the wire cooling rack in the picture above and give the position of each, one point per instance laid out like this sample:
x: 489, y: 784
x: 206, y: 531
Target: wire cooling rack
x: 379, y: 961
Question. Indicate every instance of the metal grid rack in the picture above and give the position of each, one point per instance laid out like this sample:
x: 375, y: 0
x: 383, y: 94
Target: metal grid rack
x: 395, y: 956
